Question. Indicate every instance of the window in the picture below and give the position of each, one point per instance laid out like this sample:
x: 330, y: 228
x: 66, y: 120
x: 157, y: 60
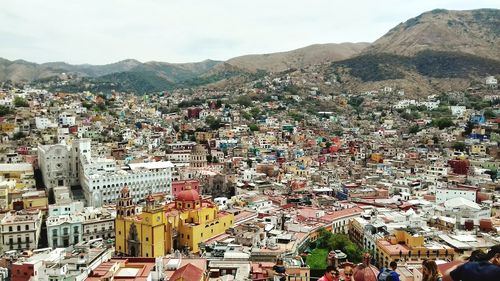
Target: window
x: 18, y: 228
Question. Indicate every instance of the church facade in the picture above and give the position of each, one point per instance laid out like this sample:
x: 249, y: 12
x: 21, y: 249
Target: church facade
x: 161, y: 229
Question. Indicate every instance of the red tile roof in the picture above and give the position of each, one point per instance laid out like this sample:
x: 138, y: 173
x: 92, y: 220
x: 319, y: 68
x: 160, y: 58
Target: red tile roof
x: 188, y: 272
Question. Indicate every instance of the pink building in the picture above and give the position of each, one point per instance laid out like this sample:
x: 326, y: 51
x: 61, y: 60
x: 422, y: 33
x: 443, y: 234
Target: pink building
x: 178, y: 186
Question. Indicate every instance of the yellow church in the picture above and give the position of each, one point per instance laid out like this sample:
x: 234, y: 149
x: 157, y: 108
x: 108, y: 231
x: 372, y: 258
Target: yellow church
x: 161, y: 229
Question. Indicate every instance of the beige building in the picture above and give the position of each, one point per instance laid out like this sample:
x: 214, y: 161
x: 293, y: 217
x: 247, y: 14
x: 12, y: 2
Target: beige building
x: 20, y: 230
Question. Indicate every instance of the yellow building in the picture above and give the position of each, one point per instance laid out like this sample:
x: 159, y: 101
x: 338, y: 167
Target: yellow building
x: 407, y: 246
x: 158, y: 230
x: 7, y: 127
x: 478, y: 149
x: 139, y: 235
x: 22, y: 173
x: 377, y: 157
x: 203, y: 136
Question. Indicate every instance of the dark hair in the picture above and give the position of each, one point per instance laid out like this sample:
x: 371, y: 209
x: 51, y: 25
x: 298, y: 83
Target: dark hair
x: 393, y: 264
x: 477, y: 255
x: 330, y: 268
x: 493, y: 251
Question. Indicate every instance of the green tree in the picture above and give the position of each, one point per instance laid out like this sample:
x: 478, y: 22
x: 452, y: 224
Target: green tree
x: 255, y: 112
x: 5, y: 110
x: 414, y: 129
x: 330, y: 241
x: 442, y: 123
x: 20, y: 102
x: 245, y: 101
x: 213, y: 123
x: 253, y: 127
x: 246, y: 115
x: 355, y: 101
x: 18, y: 136
x: 460, y: 146
x: 489, y: 113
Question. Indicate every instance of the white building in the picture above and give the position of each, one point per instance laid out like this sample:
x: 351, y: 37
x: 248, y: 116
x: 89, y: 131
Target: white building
x: 462, y: 210
x: 491, y: 82
x: 98, y: 223
x: 458, y: 110
x: 66, y: 119
x: 20, y: 230
x: 43, y: 123
x: 102, y: 186
x: 445, y: 194
x: 59, y: 162
x: 64, y: 230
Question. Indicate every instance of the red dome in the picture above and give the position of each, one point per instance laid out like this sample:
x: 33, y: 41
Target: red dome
x: 188, y: 195
x: 125, y: 190
x: 365, y: 271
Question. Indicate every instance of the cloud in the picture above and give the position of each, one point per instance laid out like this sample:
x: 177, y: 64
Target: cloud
x: 98, y: 32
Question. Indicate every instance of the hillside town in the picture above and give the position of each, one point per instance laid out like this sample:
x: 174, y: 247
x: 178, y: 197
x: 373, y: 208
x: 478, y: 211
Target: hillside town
x: 218, y: 184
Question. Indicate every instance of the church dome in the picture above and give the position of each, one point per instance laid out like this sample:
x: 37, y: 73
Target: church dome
x: 125, y: 190
x: 365, y: 271
x: 188, y: 195
x: 199, y: 149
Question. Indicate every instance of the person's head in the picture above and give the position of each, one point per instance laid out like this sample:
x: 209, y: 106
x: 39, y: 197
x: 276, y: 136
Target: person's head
x: 493, y: 255
x: 279, y: 261
x: 348, y: 271
x: 393, y: 265
x: 477, y: 255
x: 429, y: 268
x: 331, y: 271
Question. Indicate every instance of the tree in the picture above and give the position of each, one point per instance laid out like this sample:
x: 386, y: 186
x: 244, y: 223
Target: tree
x: 245, y: 101
x: 212, y: 122
x: 5, y: 110
x: 20, y: 102
x: 414, y: 129
x: 355, y: 101
x: 18, y: 136
x: 442, y: 123
x: 460, y: 146
x: 255, y: 112
x: 246, y: 115
x: 253, y: 127
x: 330, y: 241
x: 489, y: 113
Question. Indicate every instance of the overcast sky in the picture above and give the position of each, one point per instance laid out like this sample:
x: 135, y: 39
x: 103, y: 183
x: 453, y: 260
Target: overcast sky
x: 106, y: 31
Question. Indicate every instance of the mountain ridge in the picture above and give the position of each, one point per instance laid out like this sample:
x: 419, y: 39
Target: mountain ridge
x: 474, y: 32
x: 425, y: 45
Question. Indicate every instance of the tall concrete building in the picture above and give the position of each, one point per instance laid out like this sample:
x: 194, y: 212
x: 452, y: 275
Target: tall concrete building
x: 102, y: 182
